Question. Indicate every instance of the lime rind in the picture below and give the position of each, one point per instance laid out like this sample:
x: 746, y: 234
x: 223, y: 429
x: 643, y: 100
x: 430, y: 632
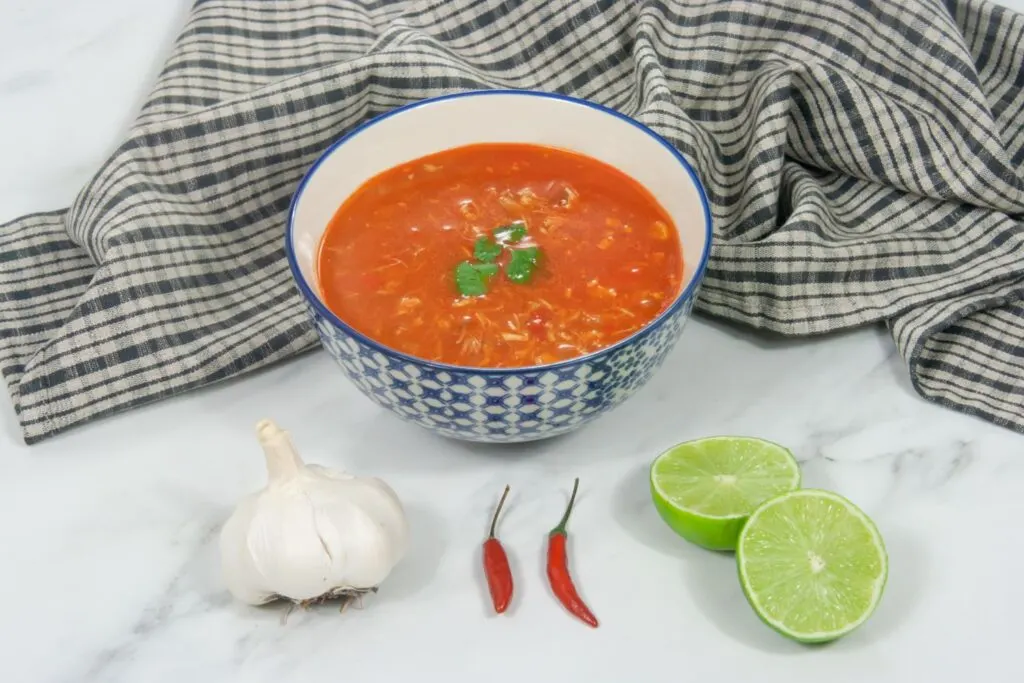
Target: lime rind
x: 705, y: 489
x: 720, y: 534
x: 877, y: 585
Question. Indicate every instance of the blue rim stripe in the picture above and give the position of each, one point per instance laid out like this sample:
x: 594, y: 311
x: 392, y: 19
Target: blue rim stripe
x: 314, y: 300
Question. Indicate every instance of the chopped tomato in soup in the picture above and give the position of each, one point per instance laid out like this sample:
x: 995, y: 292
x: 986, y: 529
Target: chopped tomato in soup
x: 500, y: 255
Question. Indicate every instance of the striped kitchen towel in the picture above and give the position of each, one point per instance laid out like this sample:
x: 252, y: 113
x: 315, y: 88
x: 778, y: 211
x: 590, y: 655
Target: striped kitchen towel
x: 864, y: 158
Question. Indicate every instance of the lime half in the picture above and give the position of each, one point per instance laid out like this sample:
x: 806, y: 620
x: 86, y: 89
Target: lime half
x: 706, y: 489
x: 812, y: 565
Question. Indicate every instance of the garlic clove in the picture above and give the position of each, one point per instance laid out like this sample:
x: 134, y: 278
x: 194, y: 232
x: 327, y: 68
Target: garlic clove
x: 287, y: 552
x: 380, y: 502
x: 243, y: 579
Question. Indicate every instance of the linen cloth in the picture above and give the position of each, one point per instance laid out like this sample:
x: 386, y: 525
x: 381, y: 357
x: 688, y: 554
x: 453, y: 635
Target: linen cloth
x: 864, y: 159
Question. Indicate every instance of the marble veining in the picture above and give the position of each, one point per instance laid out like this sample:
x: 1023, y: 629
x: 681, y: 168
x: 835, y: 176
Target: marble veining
x: 109, y: 533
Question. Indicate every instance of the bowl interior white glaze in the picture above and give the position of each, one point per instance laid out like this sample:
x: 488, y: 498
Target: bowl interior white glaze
x: 497, y: 116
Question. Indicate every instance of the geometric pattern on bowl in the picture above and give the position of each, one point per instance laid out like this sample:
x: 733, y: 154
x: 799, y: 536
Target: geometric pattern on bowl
x: 505, y: 405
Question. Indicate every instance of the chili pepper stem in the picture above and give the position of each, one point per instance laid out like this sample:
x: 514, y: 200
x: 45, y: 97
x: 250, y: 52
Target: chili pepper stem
x: 560, y: 529
x: 497, y: 510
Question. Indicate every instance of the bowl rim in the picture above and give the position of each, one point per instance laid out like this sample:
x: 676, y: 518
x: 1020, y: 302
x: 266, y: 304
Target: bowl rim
x: 684, y: 295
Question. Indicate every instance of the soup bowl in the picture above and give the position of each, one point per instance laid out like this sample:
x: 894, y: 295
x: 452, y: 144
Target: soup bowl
x: 499, y: 404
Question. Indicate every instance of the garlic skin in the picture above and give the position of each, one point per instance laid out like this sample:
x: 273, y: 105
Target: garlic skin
x: 312, y: 533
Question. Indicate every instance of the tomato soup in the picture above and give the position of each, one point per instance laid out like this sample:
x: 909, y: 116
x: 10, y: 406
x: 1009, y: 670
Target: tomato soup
x: 500, y: 255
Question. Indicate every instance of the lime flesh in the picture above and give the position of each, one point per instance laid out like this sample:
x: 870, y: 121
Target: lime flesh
x: 706, y: 489
x: 812, y: 565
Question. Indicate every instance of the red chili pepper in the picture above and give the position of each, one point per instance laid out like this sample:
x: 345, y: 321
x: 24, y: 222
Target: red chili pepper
x: 496, y: 569
x: 558, y: 568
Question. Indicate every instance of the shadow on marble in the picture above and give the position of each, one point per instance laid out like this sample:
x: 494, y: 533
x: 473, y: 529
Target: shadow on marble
x: 900, y: 373
x: 716, y: 591
x: 709, y: 576
x: 383, y: 444
x: 908, y: 576
x: 428, y: 542
x: 10, y: 430
x: 633, y: 511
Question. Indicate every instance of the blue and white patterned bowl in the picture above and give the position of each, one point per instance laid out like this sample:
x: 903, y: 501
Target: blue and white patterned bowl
x: 511, y: 404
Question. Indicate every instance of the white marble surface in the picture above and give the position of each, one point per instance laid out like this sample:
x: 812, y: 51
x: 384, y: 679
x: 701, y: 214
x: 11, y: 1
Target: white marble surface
x: 108, y: 569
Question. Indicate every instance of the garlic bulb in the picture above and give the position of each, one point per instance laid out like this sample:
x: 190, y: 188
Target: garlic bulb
x: 313, y: 533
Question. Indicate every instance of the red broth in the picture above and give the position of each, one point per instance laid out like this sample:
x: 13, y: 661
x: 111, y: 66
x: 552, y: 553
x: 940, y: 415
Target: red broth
x: 500, y: 255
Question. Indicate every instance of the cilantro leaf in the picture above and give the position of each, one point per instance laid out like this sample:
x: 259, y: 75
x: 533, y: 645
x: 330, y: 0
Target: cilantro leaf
x: 486, y: 250
x: 511, y: 233
x: 471, y: 279
x: 522, y: 264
